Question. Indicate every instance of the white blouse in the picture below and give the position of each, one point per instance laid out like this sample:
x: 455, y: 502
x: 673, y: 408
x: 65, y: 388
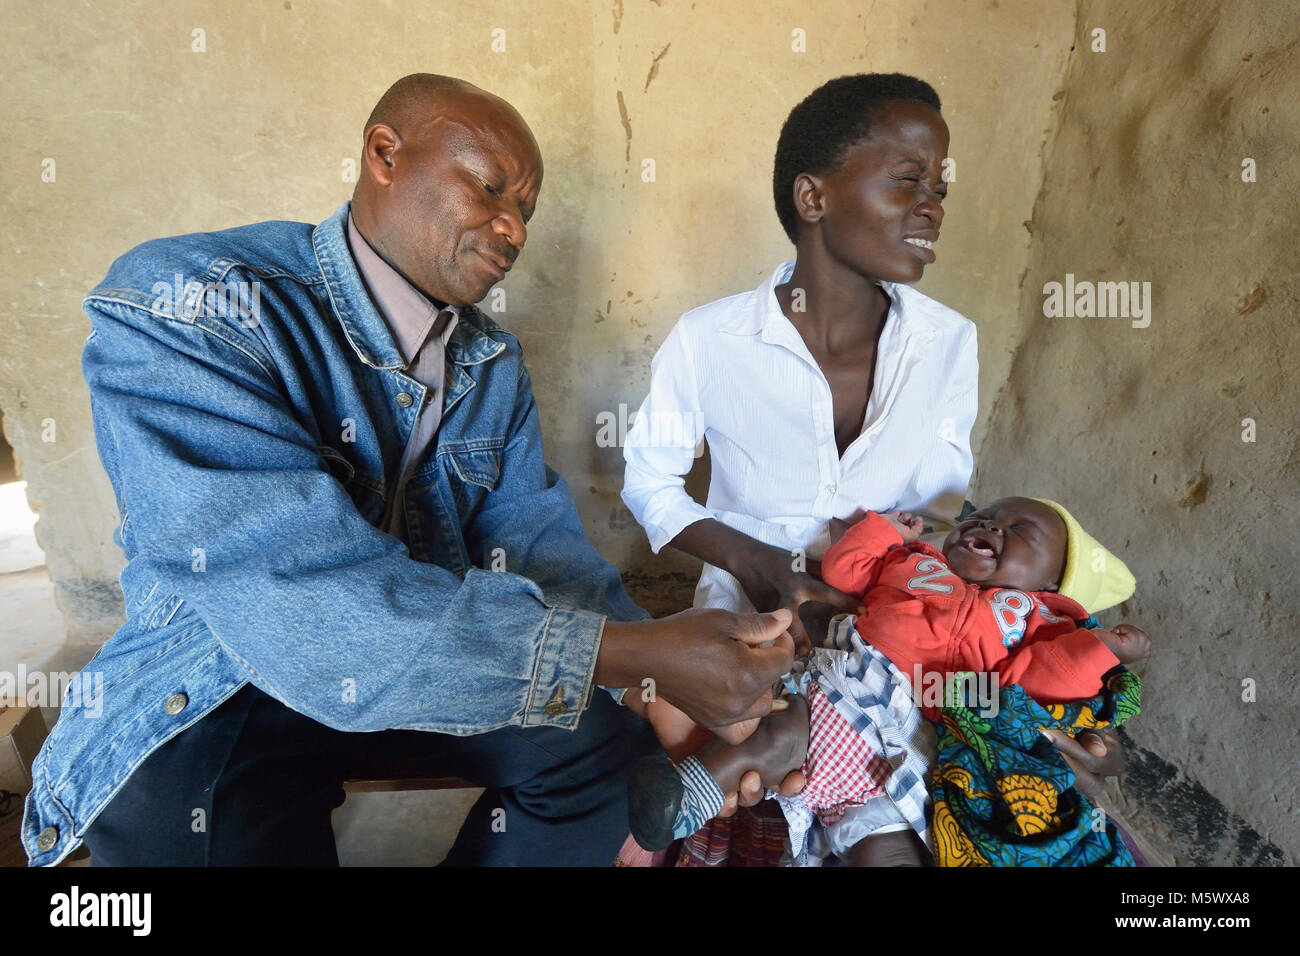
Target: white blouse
x: 736, y: 373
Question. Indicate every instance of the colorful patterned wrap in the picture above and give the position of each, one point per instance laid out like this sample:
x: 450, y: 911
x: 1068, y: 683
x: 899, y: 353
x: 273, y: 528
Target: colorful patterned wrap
x: 1003, y: 794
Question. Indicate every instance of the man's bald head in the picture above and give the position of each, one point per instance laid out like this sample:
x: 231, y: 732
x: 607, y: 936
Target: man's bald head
x: 450, y: 175
x: 412, y: 96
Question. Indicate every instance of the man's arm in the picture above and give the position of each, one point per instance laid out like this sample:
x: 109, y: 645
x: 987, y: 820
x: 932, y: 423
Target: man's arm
x: 305, y: 594
x: 232, y: 510
x: 531, y: 517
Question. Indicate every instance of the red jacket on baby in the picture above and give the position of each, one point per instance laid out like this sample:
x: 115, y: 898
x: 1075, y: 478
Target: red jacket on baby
x: 921, y: 614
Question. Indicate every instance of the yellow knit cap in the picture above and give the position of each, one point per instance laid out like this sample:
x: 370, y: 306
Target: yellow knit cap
x: 1093, y: 576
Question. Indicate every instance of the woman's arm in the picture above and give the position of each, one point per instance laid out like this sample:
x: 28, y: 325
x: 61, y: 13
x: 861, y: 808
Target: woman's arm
x: 768, y: 574
x: 660, y: 445
x: 659, y: 451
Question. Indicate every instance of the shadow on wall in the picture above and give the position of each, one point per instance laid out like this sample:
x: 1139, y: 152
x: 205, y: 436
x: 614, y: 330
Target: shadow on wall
x: 8, y: 463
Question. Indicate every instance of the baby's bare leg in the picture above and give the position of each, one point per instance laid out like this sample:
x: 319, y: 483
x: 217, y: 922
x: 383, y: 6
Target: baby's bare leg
x: 896, y: 848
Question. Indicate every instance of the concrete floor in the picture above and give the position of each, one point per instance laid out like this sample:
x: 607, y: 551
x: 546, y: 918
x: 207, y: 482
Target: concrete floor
x: 31, y: 627
x: 409, y: 828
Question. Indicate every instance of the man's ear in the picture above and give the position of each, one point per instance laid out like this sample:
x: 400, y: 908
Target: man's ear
x: 378, y: 146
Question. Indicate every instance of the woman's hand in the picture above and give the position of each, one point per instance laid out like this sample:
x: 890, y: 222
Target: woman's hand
x: 751, y: 791
x: 1128, y: 643
x: 767, y: 575
x: 1093, y: 755
x: 770, y: 581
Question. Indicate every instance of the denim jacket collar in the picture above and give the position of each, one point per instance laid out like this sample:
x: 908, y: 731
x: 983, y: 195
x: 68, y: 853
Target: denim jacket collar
x: 365, y: 328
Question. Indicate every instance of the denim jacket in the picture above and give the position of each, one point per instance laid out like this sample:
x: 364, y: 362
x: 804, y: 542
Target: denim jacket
x: 250, y: 409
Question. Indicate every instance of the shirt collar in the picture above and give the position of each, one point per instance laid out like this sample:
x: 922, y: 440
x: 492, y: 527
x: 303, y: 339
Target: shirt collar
x: 366, y: 330
x: 411, y: 315
x: 762, y: 313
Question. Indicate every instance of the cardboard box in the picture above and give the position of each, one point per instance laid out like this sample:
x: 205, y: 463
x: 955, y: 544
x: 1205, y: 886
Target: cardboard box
x: 22, y: 731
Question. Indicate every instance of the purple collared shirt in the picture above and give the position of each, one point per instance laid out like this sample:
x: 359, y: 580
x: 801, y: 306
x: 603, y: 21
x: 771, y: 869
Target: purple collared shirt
x: 421, y: 329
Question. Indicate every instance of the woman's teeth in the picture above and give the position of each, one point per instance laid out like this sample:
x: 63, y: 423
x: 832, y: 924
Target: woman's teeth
x: 923, y: 243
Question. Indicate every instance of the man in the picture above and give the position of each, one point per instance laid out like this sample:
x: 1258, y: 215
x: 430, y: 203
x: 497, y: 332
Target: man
x: 318, y: 448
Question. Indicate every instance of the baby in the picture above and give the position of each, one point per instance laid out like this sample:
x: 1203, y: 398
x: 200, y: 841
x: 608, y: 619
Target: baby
x: 1002, y: 598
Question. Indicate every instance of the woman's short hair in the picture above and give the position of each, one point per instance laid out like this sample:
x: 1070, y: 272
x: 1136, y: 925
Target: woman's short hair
x: 833, y: 118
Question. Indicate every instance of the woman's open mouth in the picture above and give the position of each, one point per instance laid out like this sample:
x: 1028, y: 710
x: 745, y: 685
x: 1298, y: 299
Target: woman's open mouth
x: 923, y: 247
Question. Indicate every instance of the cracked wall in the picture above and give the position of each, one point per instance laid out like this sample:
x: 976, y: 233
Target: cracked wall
x: 1175, y: 443
x: 150, y: 136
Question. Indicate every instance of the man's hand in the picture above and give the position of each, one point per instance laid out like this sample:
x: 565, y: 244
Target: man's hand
x: 680, y: 737
x: 710, y: 664
x: 1130, y: 644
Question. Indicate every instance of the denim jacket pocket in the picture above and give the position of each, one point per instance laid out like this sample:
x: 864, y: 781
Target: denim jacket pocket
x: 471, y: 469
x: 365, y: 493
x: 339, y: 466
x: 479, y: 465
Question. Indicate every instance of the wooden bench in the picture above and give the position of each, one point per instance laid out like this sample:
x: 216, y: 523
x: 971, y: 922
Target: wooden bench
x: 406, y: 783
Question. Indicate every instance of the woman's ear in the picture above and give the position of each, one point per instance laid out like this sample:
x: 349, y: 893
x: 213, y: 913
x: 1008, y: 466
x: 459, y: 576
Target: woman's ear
x: 808, y: 197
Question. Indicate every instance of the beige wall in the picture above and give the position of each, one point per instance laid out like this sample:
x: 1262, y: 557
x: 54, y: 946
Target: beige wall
x: 151, y: 138
x: 1139, y: 430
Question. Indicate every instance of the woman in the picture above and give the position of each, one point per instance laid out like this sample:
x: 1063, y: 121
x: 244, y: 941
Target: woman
x: 833, y: 387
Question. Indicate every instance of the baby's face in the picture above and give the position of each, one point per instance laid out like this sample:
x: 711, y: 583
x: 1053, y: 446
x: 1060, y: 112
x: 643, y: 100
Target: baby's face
x: 1014, y: 542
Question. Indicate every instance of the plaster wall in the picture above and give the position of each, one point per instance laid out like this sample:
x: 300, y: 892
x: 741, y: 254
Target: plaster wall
x: 1175, y: 443
x: 1115, y: 166
x: 150, y: 136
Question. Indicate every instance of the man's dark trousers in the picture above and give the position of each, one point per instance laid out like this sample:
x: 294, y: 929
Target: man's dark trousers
x: 253, y: 784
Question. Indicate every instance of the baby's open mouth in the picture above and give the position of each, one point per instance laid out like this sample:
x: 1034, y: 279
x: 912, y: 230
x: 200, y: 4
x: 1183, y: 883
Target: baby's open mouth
x: 979, y: 542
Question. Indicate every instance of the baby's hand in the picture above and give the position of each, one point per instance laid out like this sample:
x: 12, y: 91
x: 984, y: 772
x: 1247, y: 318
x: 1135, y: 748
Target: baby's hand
x: 1126, y: 642
x: 908, y: 524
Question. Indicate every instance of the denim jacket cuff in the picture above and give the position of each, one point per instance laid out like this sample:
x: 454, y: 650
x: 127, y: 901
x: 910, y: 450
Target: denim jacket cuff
x: 566, y: 668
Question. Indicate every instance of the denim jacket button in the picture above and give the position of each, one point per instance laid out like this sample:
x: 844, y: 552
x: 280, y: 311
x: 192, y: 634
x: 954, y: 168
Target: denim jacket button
x: 556, y: 705
x: 405, y: 400
x: 176, y: 703
x: 47, y: 839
